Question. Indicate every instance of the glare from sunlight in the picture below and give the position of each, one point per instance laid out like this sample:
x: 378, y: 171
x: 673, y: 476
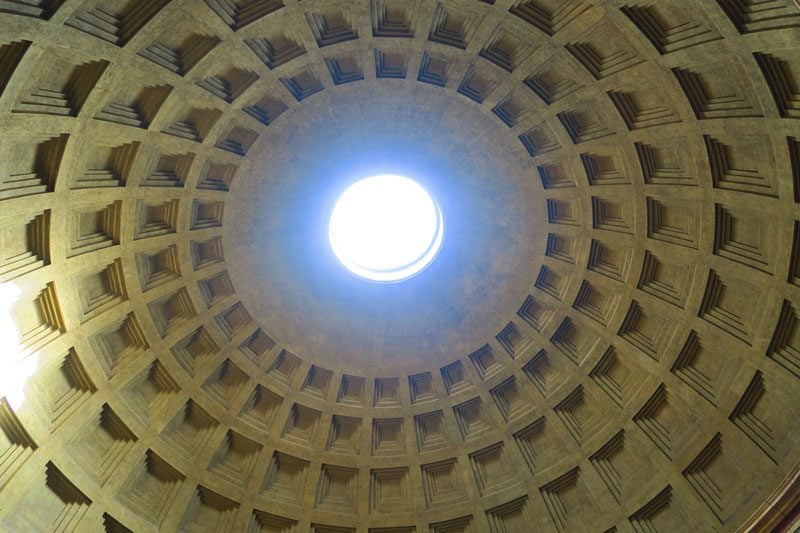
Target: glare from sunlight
x: 386, y: 228
x: 16, y: 364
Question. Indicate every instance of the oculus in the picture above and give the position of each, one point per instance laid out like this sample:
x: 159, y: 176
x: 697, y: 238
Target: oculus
x: 386, y: 228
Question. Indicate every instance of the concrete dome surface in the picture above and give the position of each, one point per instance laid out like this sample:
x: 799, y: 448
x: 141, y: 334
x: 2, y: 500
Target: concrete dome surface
x: 607, y: 340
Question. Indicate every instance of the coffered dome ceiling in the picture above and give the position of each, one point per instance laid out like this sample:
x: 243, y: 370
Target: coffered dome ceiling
x: 608, y: 339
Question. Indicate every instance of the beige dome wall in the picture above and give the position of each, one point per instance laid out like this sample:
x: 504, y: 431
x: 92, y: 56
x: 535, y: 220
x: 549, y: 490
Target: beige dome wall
x: 608, y: 341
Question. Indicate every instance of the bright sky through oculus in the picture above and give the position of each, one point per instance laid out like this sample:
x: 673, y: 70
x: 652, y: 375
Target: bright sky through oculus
x: 386, y: 228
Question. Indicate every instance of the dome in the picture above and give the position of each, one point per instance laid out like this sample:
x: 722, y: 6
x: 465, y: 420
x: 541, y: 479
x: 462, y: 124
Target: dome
x: 603, y: 334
